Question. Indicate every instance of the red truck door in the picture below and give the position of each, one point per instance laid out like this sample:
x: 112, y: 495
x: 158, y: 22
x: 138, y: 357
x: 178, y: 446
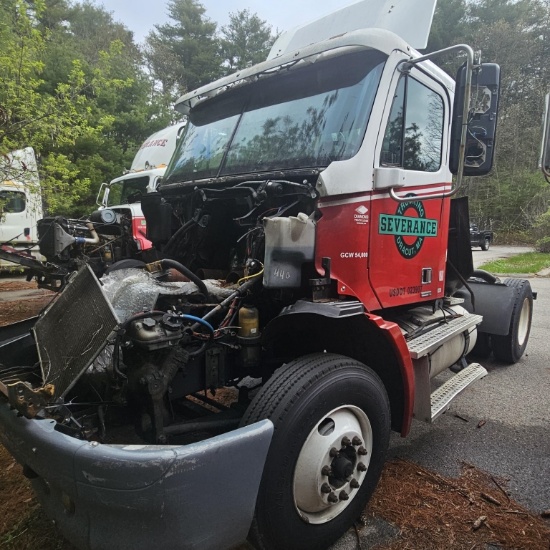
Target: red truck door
x: 408, y: 240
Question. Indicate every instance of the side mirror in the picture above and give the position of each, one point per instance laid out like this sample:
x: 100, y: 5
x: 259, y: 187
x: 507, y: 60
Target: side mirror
x: 481, y: 117
x: 545, y: 147
x: 102, y: 198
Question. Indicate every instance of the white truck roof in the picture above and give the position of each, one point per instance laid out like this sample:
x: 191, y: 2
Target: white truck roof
x: 408, y: 19
x: 157, y: 150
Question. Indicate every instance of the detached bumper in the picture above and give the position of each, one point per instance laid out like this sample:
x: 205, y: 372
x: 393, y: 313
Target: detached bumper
x: 113, y: 496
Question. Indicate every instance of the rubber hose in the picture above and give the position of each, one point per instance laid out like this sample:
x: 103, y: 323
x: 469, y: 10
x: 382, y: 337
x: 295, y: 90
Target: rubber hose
x: 188, y: 273
x: 485, y: 275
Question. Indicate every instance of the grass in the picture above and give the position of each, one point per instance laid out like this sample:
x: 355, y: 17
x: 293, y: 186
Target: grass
x: 530, y: 262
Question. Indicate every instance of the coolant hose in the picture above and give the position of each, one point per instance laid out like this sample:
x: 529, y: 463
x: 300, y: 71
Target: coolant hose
x: 93, y: 240
x: 200, y: 321
x: 188, y: 273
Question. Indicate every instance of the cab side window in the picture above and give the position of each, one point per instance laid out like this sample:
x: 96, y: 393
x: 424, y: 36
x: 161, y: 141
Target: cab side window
x: 414, y: 135
x: 12, y: 202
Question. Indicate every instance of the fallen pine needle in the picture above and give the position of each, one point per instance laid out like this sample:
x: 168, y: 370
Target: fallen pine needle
x: 490, y: 499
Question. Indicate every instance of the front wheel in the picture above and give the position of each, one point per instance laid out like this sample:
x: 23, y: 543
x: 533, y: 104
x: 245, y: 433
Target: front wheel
x: 510, y: 348
x: 332, y: 423
x: 486, y: 244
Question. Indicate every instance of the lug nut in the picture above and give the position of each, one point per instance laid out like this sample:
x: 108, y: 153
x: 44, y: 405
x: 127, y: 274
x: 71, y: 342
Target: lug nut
x: 354, y: 484
x: 361, y: 467
x: 346, y: 442
x: 332, y: 498
x: 326, y: 471
x: 357, y: 441
x: 344, y: 495
x: 325, y: 488
x: 362, y: 451
x: 334, y: 453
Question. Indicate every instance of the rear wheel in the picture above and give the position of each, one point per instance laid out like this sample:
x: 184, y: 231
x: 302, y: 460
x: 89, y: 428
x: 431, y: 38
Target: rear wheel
x: 510, y: 348
x: 486, y: 244
x: 332, y: 423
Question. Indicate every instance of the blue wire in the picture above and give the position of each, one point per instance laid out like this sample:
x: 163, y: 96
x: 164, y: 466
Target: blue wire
x: 198, y: 320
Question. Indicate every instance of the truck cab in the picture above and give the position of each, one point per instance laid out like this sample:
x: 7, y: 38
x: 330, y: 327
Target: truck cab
x: 123, y: 194
x: 20, y: 204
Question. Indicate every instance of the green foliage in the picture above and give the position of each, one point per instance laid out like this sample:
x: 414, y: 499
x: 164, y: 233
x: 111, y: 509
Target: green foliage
x: 245, y: 41
x: 71, y: 85
x: 530, y: 262
x: 516, y: 35
x: 184, y: 55
x: 449, y: 24
x: 543, y: 245
x: 541, y: 227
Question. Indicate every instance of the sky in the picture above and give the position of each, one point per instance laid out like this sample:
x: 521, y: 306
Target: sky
x: 140, y: 16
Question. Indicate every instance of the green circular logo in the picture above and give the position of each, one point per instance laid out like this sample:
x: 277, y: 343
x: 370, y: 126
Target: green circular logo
x: 406, y: 248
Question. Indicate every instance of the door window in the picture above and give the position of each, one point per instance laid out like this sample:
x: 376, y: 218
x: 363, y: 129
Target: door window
x: 414, y: 135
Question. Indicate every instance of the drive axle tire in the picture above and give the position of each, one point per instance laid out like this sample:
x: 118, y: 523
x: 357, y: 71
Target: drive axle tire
x: 510, y: 348
x: 332, y: 423
x: 486, y: 244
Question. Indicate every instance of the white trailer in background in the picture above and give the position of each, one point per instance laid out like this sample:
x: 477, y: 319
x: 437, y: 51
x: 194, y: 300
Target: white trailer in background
x: 123, y: 193
x: 20, y: 203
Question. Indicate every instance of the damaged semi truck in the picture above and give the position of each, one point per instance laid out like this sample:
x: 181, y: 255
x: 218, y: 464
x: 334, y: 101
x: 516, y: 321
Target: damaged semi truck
x: 312, y: 258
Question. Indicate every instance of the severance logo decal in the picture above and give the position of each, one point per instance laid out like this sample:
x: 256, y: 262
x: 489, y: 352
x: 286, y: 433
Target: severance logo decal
x: 409, y: 230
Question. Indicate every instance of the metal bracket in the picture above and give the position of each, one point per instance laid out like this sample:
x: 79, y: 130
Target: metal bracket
x: 27, y: 401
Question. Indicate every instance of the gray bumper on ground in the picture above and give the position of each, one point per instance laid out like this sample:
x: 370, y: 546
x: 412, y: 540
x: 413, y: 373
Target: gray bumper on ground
x: 200, y: 495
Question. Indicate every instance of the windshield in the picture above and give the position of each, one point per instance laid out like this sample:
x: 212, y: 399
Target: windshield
x: 121, y: 190
x: 304, y: 118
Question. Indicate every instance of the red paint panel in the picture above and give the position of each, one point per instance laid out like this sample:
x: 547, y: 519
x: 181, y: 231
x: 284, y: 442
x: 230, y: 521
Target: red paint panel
x: 395, y: 336
x: 343, y: 236
x: 407, y: 240
x: 139, y: 232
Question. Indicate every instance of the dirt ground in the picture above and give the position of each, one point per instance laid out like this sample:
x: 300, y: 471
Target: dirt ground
x: 22, y: 307
x: 431, y: 512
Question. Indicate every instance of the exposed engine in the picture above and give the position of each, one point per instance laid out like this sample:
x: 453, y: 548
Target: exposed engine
x: 131, y: 348
x: 68, y: 244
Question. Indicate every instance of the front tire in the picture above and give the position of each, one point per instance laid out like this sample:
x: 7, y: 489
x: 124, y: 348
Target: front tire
x: 486, y: 244
x: 332, y: 424
x: 510, y: 348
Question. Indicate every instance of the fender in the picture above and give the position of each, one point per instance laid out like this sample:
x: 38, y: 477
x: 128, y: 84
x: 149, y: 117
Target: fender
x: 345, y: 328
x: 394, y: 335
x: 493, y: 301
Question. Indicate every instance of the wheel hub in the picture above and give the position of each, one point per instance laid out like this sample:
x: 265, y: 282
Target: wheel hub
x: 342, y: 468
x: 332, y: 464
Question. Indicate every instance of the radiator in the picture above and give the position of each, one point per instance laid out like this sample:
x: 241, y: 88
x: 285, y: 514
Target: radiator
x: 73, y: 330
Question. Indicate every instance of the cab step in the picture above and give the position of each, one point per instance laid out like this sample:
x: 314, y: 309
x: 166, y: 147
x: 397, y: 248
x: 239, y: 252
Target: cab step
x: 429, y: 407
x: 431, y: 340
